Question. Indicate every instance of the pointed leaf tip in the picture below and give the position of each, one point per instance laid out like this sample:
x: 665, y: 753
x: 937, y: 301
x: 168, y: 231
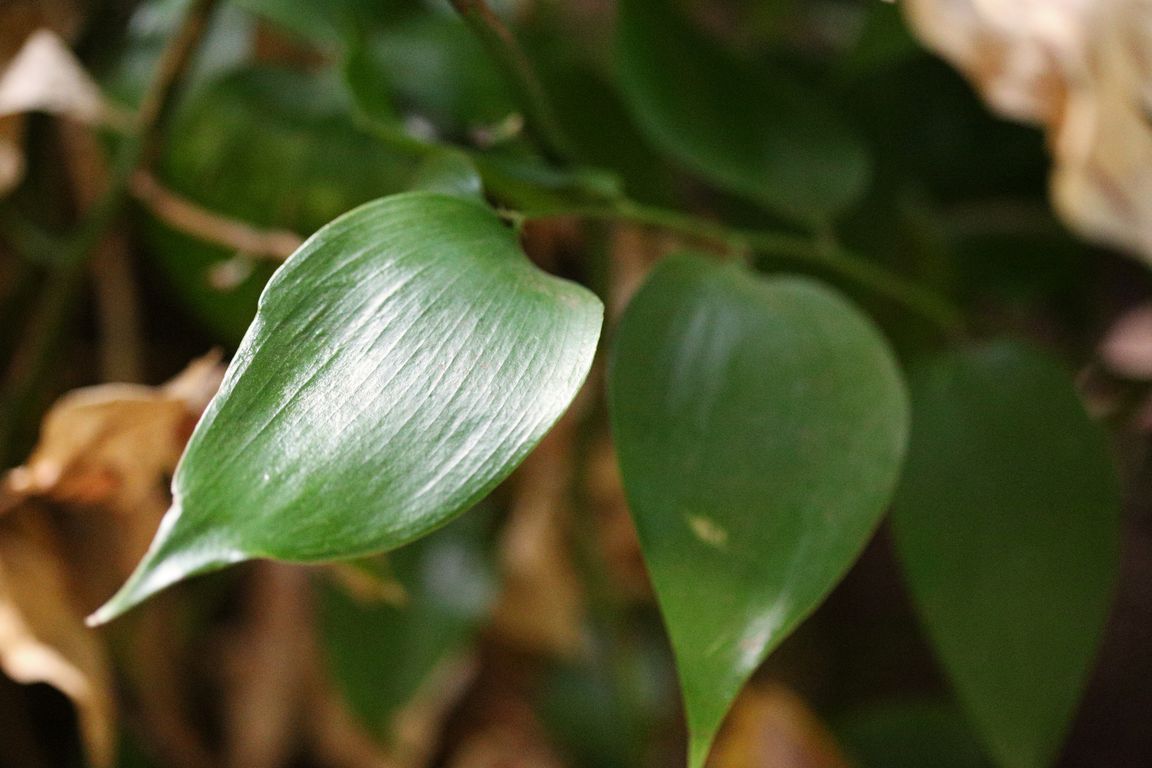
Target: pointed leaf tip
x: 169, y: 560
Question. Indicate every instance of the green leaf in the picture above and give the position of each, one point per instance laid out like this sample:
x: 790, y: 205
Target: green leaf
x: 1007, y: 523
x: 449, y: 585
x: 401, y: 364
x: 432, y: 69
x: 760, y: 425
x: 750, y: 130
x: 913, y: 734
x: 450, y: 172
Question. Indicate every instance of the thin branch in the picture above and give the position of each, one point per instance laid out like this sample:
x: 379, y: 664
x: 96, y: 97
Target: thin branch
x: 165, y: 86
x: 741, y: 243
x: 510, y: 57
x: 181, y: 213
x: 110, y: 266
x: 117, y: 311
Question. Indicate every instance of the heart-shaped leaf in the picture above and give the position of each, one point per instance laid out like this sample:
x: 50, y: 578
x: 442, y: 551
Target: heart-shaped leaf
x: 401, y: 364
x: 753, y: 131
x: 1007, y: 521
x: 760, y: 425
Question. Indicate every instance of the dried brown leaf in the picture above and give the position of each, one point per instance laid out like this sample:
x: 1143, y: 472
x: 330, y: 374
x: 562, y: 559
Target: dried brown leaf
x: 102, y: 463
x: 541, y: 604
x: 772, y: 727
x: 116, y: 445
x: 45, y: 76
x: 43, y: 638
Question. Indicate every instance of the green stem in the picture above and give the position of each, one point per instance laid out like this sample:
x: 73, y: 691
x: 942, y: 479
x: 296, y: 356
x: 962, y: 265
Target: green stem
x: 495, y: 36
x: 32, y: 361
x: 740, y: 243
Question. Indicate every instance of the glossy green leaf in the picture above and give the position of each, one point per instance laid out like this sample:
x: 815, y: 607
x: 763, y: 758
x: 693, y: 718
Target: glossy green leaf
x: 1007, y: 523
x: 401, y: 364
x: 380, y: 654
x: 751, y: 130
x: 760, y: 425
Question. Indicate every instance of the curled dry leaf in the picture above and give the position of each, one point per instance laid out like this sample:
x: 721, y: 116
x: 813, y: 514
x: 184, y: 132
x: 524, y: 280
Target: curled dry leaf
x: 42, y: 634
x: 103, y: 460
x: 112, y: 449
x: 46, y: 77
x: 772, y: 727
x: 18, y: 19
x: 1079, y: 68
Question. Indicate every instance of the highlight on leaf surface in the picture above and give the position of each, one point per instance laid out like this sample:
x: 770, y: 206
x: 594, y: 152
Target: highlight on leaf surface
x: 760, y: 426
x: 1007, y: 522
x: 401, y: 364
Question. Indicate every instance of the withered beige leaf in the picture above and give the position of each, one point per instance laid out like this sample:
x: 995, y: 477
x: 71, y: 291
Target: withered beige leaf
x: 116, y: 444
x: 43, y: 638
x: 1079, y: 68
x: 45, y: 76
x: 103, y: 461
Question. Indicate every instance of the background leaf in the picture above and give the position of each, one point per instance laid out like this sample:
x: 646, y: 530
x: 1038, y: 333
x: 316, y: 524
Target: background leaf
x: 1007, y: 523
x: 273, y: 148
x: 749, y: 129
x: 382, y: 653
x: 760, y: 426
x: 911, y: 734
x: 402, y: 363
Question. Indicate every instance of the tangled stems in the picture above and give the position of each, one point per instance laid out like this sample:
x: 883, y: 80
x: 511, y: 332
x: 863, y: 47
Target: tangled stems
x: 58, y: 299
